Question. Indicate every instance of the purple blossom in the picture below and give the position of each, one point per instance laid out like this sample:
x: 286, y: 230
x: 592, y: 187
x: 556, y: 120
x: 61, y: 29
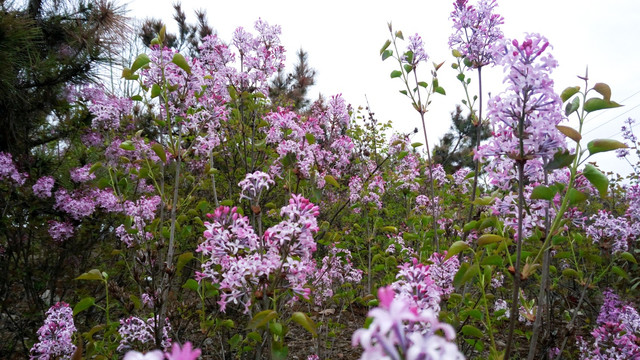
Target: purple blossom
x: 136, y: 333
x: 253, y: 185
x: 389, y: 335
x: 54, y: 337
x: 609, y: 232
x: 42, y: 187
x: 337, y: 268
x: 82, y: 174
x: 416, y: 47
x: 60, y: 231
x: 8, y: 169
x: 476, y: 31
x: 414, y: 283
x: 442, y: 271
x: 628, y: 135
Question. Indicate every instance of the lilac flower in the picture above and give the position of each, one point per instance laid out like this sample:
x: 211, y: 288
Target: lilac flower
x: 54, y: 337
x: 136, y: 332
x: 8, y: 169
x: 414, y: 283
x: 476, y: 31
x: 42, y: 187
x: 416, y: 47
x: 253, y: 185
x: 82, y: 174
x: 628, y: 135
x: 60, y: 231
x: 442, y: 271
x: 184, y: 353
x: 389, y: 335
x: 529, y: 98
x: 337, y: 268
x: 610, y: 232
x: 617, y: 334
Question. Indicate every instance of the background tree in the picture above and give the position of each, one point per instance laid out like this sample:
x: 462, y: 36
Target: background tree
x: 455, y: 149
x: 292, y: 88
x: 46, y: 47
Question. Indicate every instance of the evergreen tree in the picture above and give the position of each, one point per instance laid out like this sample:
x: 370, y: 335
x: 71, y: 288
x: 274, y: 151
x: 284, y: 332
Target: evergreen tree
x: 291, y: 89
x: 455, y: 149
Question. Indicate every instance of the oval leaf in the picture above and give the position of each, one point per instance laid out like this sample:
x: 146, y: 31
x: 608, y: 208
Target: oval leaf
x: 595, y: 104
x: 159, y: 150
x: 470, y: 330
x: 576, y: 196
x: 331, y: 180
x: 385, y: 46
x: 83, y: 305
x: 561, y: 159
x: 604, y: 90
x: 305, y: 321
x: 396, y: 73
x: 140, y: 61
x: 390, y: 229
x: 570, y: 132
x: 487, y: 239
x: 569, y: 92
x: 572, y: 106
x: 596, y: 178
x: 179, y: 60
x: 542, y: 192
x: 456, y: 248
x: 261, y: 319
x: 628, y: 257
x: 93, y: 274
x: 603, y: 145
x: 95, y: 167
x: 127, y: 145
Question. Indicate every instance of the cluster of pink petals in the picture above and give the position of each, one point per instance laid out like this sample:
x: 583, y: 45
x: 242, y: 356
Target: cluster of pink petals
x: 389, y: 335
x: 186, y: 352
x: 82, y: 174
x: 42, y: 188
x: 254, y: 184
x: 60, y: 231
x: 55, y: 336
x: 135, y: 332
x: 476, y: 31
x: 337, y: 268
x: 8, y: 169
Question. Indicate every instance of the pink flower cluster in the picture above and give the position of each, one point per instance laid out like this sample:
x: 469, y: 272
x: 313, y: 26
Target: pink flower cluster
x: 529, y: 98
x: 617, y: 335
x: 108, y: 110
x: 142, y: 212
x: 253, y: 185
x: 8, y: 169
x: 476, y: 31
x: 609, y: 231
x: 415, y: 284
x: 137, y: 333
x: 60, y: 231
x: 315, y: 144
x: 54, y: 337
x: 243, y: 264
x: 389, y: 335
x: 42, y: 188
x: 82, y: 174
x: 82, y: 203
x: 186, y: 352
x: 337, y: 268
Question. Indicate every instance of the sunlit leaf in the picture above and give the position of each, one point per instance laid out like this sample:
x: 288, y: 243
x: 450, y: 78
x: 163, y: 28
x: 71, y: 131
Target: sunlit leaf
x: 570, y: 132
x: 179, y: 60
x: 139, y: 62
x: 93, y: 274
x: 331, y: 180
x: 542, y: 192
x: 569, y: 92
x: 603, y: 145
x: 305, y: 321
x: 486, y: 239
x: 456, y: 248
x: 159, y: 150
x: 604, y: 90
x: 596, y: 178
x: 396, y: 73
x: 595, y: 104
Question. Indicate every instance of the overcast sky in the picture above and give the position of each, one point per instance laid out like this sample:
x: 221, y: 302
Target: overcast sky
x: 343, y: 39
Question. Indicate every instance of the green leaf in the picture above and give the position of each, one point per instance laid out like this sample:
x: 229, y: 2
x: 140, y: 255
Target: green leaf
x: 155, y: 91
x: 618, y: 271
x: 628, y: 257
x: 136, y: 98
x: 305, y: 321
x: 279, y: 351
x: 276, y: 328
x: 542, y: 192
x: 191, y: 285
x: 408, y: 68
x: 460, y: 77
x: 386, y: 54
x: 456, y: 248
x: 570, y: 132
x: 471, y: 273
x: 457, y: 278
x: 604, y: 90
x: 83, y: 305
x: 95, y: 167
x: 484, y: 201
x: 409, y: 236
x: 139, y: 62
x: 399, y: 35
x: 423, y: 84
x: 572, y: 106
x: 183, y: 259
x: 310, y: 138
x: 385, y: 46
x: 486, y: 239
x: 603, y: 145
x: 561, y: 158
x: 396, y: 73
x: 570, y: 273
x: 93, y: 274
x: 456, y: 53
x: 470, y: 330
x: 127, y: 145
x: 495, y: 260
x: 416, y: 144
x: 439, y: 90
x: 474, y: 313
x: 595, y: 104
x: 470, y: 226
x: 179, y: 60
x: 576, y: 196
x: 596, y: 178
x: 331, y: 180
x: 159, y: 150
x: 569, y: 92
x: 226, y: 203
x: 390, y: 229
x: 261, y: 319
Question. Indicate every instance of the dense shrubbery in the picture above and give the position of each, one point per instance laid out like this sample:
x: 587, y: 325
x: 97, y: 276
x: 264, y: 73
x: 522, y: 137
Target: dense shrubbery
x: 199, y: 212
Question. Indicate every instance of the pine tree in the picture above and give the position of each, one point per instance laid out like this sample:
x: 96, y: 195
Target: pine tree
x: 291, y: 89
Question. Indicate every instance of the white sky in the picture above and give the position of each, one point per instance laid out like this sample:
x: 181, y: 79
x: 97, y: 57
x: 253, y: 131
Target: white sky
x: 343, y: 39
